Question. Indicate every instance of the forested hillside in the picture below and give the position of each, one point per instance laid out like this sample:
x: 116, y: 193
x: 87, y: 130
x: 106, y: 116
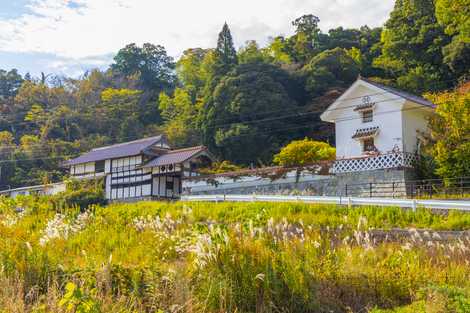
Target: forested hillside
x: 244, y: 105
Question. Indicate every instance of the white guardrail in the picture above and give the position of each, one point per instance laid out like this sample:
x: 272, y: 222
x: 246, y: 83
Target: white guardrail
x: 349, y: 201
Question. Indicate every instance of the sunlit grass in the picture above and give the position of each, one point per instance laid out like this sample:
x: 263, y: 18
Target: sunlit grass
x: 227, y: 257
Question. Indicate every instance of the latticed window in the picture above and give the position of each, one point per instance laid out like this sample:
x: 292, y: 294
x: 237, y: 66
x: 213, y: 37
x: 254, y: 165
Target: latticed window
x: 99, y: 166
x: 368, y: 145
x: 367, y: 116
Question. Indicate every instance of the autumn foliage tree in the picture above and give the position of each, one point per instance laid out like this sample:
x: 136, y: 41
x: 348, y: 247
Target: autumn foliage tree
x: 450, y: 133
x: 304, y: 152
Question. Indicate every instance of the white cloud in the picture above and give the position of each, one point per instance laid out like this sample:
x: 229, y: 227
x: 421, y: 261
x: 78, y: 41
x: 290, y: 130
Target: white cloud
x: 78, y: 29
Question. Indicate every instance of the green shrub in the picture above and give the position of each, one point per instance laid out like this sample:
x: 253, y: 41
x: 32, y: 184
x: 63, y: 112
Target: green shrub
x: 436, y: 299
x: 81, y: 193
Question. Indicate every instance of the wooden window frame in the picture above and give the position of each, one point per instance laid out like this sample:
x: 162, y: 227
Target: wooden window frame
x: 367, y: 116
x: 368, y: 144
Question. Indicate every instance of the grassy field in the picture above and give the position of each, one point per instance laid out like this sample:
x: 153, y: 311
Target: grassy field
x: 202, y: 257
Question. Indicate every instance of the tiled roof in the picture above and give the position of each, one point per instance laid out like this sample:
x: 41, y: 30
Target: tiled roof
x: 115, y: 151
x: 403, y: 94
x: 366, y: 132
x: 175, y: 156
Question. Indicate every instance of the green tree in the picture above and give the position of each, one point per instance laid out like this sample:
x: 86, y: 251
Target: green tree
x: 179, y: 113
x: 304, y: 152
x: 119, y: 115
x: 153, y: 67
x: 450, y: 133
x: 364, y: 43
x: 330, y: 68
x: 10, y: 82
x: 226, y: 55
x: 231, y: 123
x: 251, y: 52
x: 7, y: 148
x: 308, y: 39
x: 454, y: 16
x: 412, y: 42
x: 279, y: 50
x: 191, y: 69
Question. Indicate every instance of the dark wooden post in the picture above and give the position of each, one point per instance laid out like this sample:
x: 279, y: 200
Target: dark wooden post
x: 370, y: 190
x: 461, y: 187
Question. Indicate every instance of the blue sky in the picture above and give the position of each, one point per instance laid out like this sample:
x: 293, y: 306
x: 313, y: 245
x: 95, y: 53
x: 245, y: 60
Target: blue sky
x: 71, y: 36
x: 13, y: 8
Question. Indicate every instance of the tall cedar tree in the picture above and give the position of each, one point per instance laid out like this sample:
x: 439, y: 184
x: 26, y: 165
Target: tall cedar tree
x: 225, y: 52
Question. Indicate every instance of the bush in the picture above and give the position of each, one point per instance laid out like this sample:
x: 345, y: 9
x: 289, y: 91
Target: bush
x: 221, y: 167
x: 80, y: 193
x: 304, y: 152
x: 436, y: 299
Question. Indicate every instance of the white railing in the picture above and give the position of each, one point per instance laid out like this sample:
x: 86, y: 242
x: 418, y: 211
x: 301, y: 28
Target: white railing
x: 349, y: 201
x: 381, y: 161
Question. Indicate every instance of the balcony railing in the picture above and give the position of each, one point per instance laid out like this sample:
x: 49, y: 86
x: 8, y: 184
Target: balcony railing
x: 376, y: 162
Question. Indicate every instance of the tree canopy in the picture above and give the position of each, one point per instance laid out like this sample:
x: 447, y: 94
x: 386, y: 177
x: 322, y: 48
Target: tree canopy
x: 450, y: 132
x: 304, y: 152
x: 412, y: 42
x: 150, y: 63
x: 251, y: 92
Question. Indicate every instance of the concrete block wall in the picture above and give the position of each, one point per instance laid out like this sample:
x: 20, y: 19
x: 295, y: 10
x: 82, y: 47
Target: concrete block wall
x: 385, y: 183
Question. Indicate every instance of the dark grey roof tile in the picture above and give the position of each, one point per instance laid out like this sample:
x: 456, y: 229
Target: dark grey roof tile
x: 175, y: 156
x: 115, y: 151
x: 400, y: 93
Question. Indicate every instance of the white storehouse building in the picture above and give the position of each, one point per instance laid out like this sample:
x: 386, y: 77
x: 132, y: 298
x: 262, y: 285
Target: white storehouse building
x: 377, y: 128
x: 142, y: 169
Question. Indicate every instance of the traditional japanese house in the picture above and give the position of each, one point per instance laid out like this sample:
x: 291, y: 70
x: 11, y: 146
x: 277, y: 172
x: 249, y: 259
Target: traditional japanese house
x: 379, y: 133
x: 142, y: 169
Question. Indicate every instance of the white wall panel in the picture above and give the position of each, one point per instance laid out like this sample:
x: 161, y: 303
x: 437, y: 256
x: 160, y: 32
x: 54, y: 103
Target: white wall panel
x: 146, y: 190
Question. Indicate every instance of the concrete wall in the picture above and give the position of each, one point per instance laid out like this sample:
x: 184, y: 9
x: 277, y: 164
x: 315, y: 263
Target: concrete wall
x: 377, y: 183
x: 351, y: 184
x: 306, y: 183
x: 50, y: 189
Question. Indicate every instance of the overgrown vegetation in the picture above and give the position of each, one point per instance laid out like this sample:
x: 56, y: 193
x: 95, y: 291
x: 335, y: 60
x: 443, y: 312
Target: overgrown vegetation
x: 246, y: 257
x: 81, y: 194
x: 304, y: 152
x: 450, y: 133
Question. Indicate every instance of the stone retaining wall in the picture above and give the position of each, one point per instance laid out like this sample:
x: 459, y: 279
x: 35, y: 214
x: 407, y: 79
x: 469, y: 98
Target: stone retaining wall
x: 385, y: 183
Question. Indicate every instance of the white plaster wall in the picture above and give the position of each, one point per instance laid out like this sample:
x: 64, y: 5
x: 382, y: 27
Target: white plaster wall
x: 107, y: 166
x: 83, y: 168
x: 387, y: 115
x: 415, y: 119
x: 146, y: 190
x: 108, y: 186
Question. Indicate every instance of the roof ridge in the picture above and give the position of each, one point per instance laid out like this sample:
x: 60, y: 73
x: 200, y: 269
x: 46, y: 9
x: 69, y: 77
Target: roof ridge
x: 185, y: 149
x: 402, y: 93
x: 126, y: 143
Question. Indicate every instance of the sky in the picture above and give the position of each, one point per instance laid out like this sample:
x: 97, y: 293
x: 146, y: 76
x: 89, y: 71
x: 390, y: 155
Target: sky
x: 69, y: 37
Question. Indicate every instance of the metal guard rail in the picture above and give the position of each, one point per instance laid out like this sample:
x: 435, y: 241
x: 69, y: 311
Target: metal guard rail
x: 349, y: 201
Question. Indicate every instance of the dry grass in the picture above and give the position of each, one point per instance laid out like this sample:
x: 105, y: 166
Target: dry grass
x: 202, y: 257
